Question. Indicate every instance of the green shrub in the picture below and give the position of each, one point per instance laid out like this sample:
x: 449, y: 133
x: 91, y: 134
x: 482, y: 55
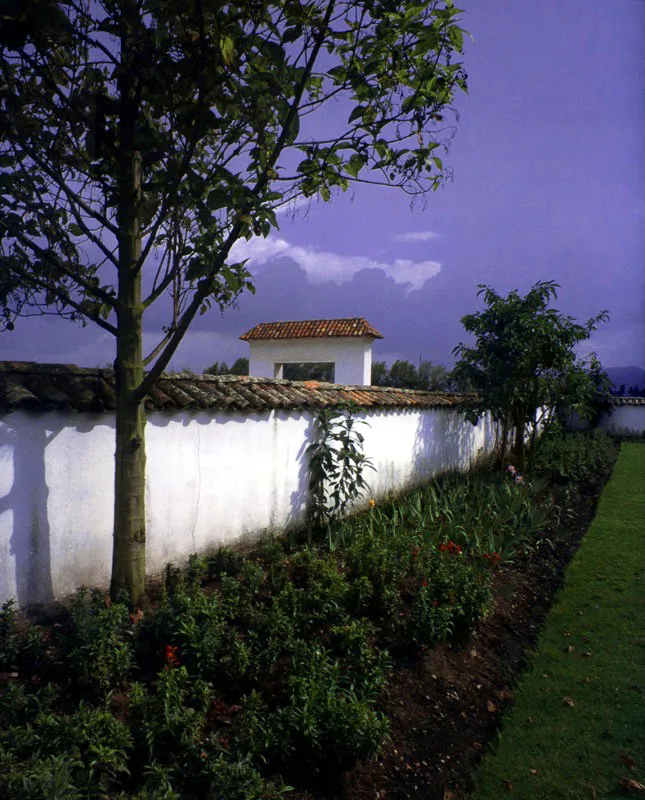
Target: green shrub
x: 99, y: 642
x: 322, y: 721
x: 52, y: 754
x: 570, y: 459
x: 200, y: 627
x: 21, y: 651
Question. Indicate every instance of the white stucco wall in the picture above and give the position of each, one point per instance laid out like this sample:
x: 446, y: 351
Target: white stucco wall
x: 351, y: 355
x: 625, y: 419
x: 211, y: 479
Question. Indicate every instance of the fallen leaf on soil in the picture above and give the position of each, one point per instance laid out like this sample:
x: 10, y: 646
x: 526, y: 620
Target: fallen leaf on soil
x: 571, y: 649
x: 628, y: 761
x: 491, y: 707
x: 587, y: 655
x: 509, y: 785
x: 448, y: 795
x: 635, y: 786
x: 566, y: 633
x: 534, y: 771
x: 569, y: 702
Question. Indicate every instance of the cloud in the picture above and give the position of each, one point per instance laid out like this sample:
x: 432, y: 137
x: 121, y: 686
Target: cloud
x: 417, y: 236
x: 293, y: 205
x: 322, y: 266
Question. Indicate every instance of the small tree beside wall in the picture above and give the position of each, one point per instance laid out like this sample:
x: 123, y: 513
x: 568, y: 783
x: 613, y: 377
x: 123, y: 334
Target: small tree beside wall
x: 337, y: 465
x: 524, y: 366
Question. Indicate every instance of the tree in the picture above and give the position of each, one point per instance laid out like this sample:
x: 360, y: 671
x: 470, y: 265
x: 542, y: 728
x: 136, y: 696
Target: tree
x: 434, y: 377
x: 240, y: 367
x: 379, y: 375
x: 523, y: 364
x: 142, y: 139
x: 404, y: 375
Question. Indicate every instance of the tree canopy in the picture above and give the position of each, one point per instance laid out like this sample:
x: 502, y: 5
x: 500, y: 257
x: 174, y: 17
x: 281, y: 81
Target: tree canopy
x: 404, y: 375
x: 239, y: 367
x: 141, y: 139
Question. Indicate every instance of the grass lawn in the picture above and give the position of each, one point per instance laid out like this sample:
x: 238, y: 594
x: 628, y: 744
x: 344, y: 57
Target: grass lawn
x: 577, y: 728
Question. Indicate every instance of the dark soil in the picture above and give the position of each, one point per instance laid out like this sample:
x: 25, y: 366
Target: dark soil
x: 445, y: 707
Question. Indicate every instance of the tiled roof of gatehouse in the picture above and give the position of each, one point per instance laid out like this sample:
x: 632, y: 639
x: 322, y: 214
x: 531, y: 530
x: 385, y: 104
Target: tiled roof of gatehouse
x: 63, y: 387
x: 312, y: 329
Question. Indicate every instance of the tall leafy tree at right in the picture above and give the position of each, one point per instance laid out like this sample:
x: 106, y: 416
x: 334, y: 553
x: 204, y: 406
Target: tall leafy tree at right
x: 525, y: 367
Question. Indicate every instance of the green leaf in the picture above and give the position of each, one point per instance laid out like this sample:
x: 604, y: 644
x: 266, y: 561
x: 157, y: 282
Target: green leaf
x: 291, y: 34
x: 356, y: 113
x: 217, y: 199
x: 227, y: 48
x: 293, y: 130
x: 75, y: 229
x: 355, y: 164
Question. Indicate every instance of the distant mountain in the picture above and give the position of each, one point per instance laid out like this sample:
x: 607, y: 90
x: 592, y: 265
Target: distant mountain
x: 630, y: 376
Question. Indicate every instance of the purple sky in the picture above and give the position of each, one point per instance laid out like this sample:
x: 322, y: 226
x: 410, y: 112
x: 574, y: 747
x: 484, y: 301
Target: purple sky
x: 549, y: 184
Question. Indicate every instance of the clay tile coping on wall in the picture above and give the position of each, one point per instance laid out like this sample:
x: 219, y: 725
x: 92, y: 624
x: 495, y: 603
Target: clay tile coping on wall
x: 628, y: 401
x: 312, y: 329
x: 34, y: 387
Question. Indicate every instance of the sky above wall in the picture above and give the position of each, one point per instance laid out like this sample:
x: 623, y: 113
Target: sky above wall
x: 548, y: 183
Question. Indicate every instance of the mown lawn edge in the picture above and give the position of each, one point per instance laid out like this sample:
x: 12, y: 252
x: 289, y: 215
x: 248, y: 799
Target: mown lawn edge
x: 577, y: 728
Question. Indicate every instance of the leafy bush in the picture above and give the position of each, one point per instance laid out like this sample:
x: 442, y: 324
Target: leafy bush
x: 21, y: 651
x: 99, y: 642
x: 570, y: 459
x: 323, y: 721
x: 45, y: 753
x: 201, y: 627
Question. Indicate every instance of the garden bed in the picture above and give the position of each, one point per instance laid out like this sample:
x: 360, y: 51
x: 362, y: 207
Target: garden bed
x: 445, y: 709
x: 290, y: 666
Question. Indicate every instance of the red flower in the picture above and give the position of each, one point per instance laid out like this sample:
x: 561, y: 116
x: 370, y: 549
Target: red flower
x: 219, y: 707
x: 415, y: 553
x: 172, y: 659
x: 136, y: 616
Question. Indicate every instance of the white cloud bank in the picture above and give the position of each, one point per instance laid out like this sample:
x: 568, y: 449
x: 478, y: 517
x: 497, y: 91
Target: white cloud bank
x: 321, y: 265
x: 417, y: 236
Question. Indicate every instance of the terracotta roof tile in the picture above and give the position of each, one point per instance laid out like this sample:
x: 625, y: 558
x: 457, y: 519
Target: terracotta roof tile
x: 33, y: 387
x: 312, y: 329
x: 628, y: 401
x: 47, y: 387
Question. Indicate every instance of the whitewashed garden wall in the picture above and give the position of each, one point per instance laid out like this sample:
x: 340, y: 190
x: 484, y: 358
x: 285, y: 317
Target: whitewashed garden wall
x: 213, y: 478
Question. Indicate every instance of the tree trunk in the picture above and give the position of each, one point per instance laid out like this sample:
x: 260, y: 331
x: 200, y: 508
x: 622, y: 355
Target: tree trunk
x: 518, y: 449
x: 129, y: 553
